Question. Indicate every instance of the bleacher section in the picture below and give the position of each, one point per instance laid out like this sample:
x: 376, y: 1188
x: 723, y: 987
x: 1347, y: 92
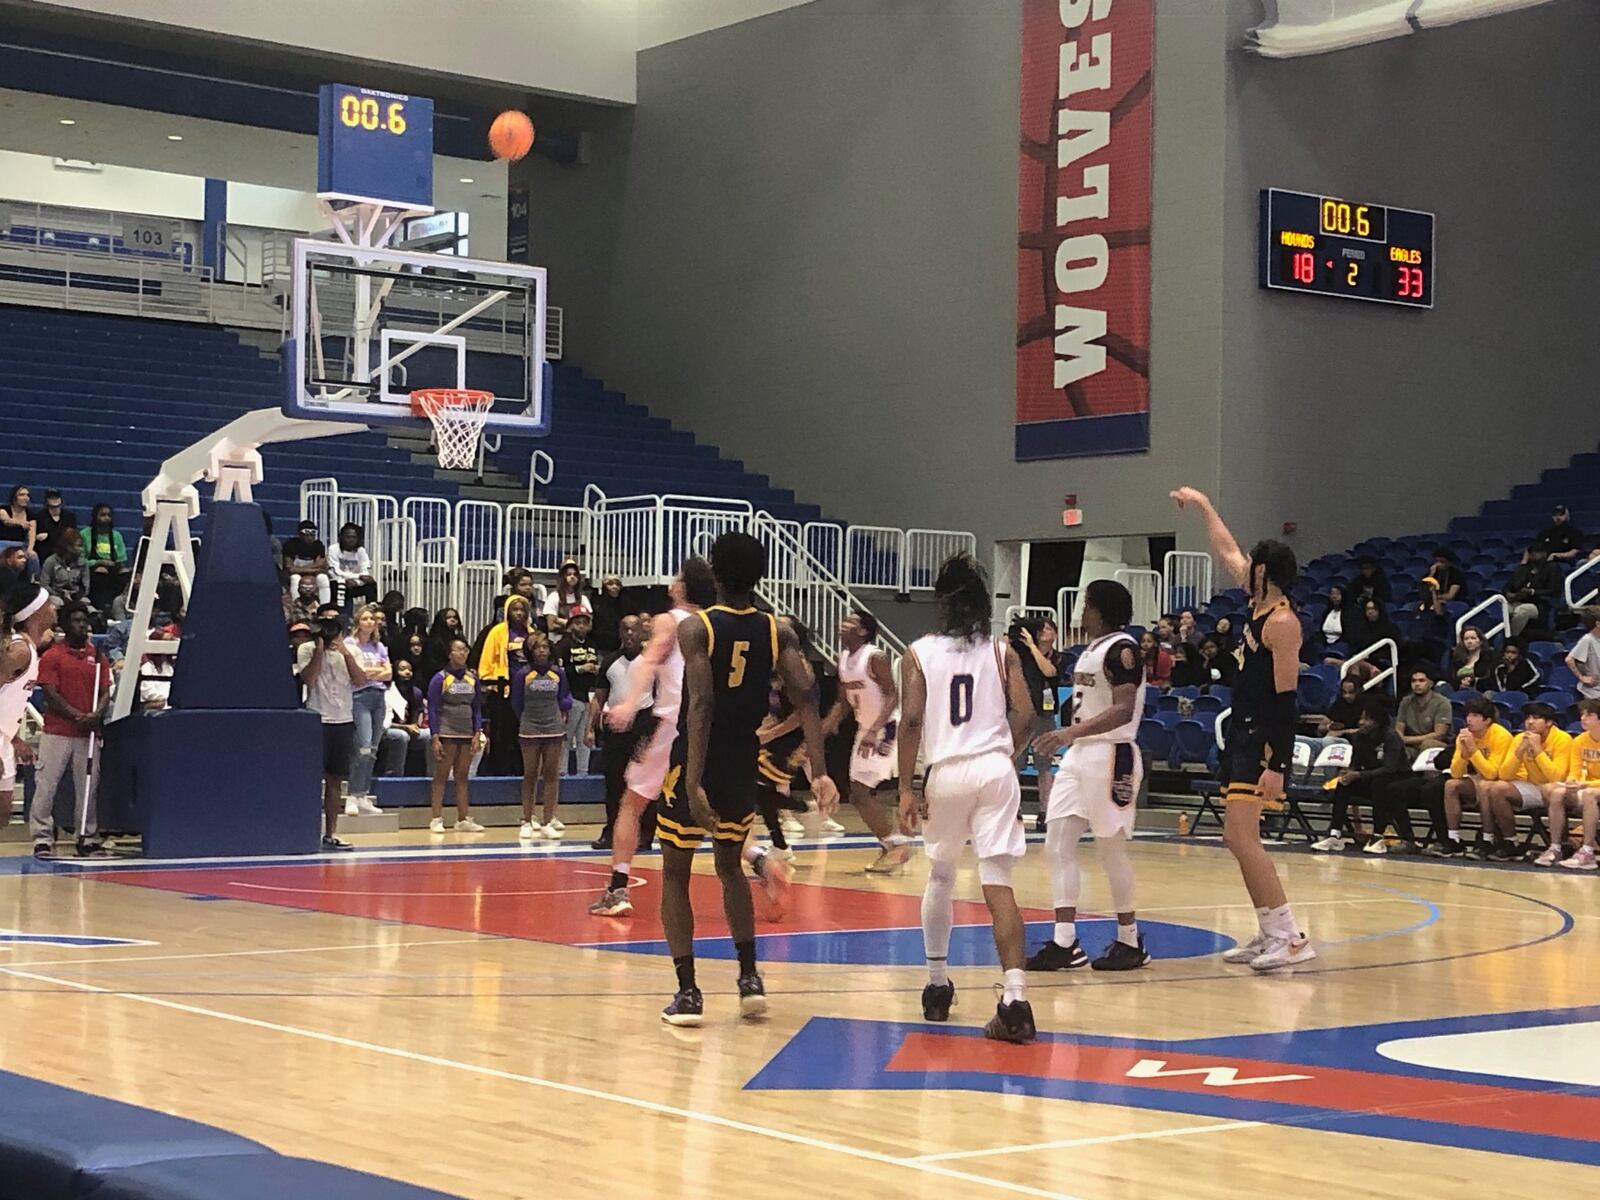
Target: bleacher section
x: 95, y: 403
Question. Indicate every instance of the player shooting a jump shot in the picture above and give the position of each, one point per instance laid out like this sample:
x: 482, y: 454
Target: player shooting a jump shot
x: 1260, y: 737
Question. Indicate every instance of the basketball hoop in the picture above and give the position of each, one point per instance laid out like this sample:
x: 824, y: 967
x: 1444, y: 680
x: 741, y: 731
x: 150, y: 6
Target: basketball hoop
x: 457, y: 416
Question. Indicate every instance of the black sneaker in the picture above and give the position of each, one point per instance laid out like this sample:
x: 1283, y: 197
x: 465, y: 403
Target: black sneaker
x: 1011, y: 1022
x: 1040, y: 825
x: 1449, y: 848
x: 333, y: 843
x: 1405, y: 847
x: 1478, y: 851
x: 937, y: 1001
x: 1120, y: 956
x: 92, y: 848
x: 603, y: 842
x: 43, y: 850
x: 752, y: 997
x: 1503, y: 851
x: 1052, y: 956
x: 687, y: 1007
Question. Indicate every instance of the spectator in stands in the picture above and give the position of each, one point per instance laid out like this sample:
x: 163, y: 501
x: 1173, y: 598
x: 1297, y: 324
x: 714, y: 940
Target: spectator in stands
x: 1474, y: 766
x: 1167, y: 635
x: 571, y: 589
x: 1334, y: 634
x: 1343, y: 717
x: 1580, y: 791
x: 367, y: 707
x: 1189, y: 667
x: 618, y: 745
x: 578, y: 659
x: 1532, y: 590
x: 543, y: 702
x: 500, y: 668
x: 304, y: 554
x: 1471, y: 661
x: 13, y: 567
x: 1220, y: 667
x: 1540, y: 756
x: 77, y: 688
x: 1223, y: 634
x: 1377, y: 757
x: 609, y: 610
x: 331, y: 672
x: 17, y: 525
x: 1450, y: 583
x: 275, y: 543
x: 1157, y: 661
x: 1561, y: 539
x: 1370, y: 582
x: 1429, y: 629
x: 303, y: 606
x: 1584, y: 659
x: 1423, y: 721
x: 445, y: 629
x: 1515, y: 672
x: 404, y: 717
x: 455, y: 721
x: 65, y: 573
x: 1188, y: 630
x: 107, y: 555
x: 50, y: 522
x: 155, y: 676
x: 351, y: 567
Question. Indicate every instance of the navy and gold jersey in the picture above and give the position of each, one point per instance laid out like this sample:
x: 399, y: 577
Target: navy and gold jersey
x: 743, y: 644
x: 1255, y: 683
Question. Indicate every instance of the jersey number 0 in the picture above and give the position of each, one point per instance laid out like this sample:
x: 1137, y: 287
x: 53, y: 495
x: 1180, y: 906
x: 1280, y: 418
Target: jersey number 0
x: 960, y: 699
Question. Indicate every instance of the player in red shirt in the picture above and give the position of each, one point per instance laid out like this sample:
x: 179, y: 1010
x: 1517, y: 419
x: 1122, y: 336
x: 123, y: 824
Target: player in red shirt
x: 77, y: 689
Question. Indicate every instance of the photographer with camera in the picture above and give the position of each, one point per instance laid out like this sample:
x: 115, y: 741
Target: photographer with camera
x: 331, y: 674
x: 1034, y: 640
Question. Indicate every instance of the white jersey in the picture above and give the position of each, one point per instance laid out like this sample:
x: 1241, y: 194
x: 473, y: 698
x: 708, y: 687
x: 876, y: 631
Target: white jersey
x: 669, y: 677
x: 1091, y: 688
x: 14, y: 696
x: 860, y: 689
x: 966, y: 714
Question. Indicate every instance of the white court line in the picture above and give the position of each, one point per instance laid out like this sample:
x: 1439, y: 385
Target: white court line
x: 570, y: 1089
x: 1069, y: 1143
x: 143, y: 958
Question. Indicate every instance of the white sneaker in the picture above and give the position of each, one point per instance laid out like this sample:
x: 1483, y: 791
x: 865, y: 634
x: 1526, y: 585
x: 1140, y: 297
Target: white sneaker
x: 468, y: 825
x: 556, y: 826
x: 552, y: 832
x: 528, y: 832
x: 1377, y: 845
x: 436, y: 825
x: 1280, y: 952
x: 1331, y: 844
x: 351, y: 807
x: 1583, y: 860
x: 831, y: 826
x: 1549, y: 858
x: 367, y: 806
x: 1247, y: 952
x: 791, y: 824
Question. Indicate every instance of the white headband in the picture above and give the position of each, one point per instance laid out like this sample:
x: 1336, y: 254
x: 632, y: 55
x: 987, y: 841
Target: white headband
x: 33, y: 606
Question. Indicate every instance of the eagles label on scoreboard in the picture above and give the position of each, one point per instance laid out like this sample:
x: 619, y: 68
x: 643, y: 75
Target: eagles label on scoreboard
x: 1338, y: 247
x: 375, y: 147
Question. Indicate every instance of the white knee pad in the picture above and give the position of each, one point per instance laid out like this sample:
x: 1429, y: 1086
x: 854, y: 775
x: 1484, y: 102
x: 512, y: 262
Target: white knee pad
x: 942, y: 872
x: 996, y: 871
x: 1119, y: 871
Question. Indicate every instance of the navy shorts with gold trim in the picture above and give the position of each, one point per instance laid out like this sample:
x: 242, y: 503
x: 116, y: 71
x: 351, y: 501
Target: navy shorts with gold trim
x: 730, y: 783
x: 1245, y: 755
x: 778, y: 762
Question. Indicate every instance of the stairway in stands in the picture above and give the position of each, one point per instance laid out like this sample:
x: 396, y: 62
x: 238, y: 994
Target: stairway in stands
x: 93, y: 404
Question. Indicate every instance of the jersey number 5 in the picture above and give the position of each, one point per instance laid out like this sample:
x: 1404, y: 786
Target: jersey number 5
x: 736, y: 669
x: 960, y: 699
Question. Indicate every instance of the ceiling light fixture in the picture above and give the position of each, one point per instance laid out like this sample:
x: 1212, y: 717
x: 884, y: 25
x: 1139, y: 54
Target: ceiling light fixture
x: 466, y: 179
x: 174, y: 137
x: 68, y: 121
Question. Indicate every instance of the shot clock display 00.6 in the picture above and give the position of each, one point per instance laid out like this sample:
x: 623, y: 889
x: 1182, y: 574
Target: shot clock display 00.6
x: 375, y: 146
x: 1347, y: 248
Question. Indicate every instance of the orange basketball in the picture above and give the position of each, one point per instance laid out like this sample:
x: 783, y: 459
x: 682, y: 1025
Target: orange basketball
x: 511, y: 135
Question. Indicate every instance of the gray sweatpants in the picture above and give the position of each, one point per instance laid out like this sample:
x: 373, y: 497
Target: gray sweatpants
x: 58, y: 755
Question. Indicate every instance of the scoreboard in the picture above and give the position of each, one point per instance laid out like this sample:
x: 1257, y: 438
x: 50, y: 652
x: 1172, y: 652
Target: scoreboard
x: 1332, y: 246
x: 375, y: 147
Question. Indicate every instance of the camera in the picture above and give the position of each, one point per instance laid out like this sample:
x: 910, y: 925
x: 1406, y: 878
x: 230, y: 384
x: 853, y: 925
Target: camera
x: 330, y: 628
x: 1018, y: 624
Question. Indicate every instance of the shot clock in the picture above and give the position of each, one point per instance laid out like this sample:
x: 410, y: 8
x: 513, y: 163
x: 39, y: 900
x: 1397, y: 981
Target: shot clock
x: 375, y: 146
x: 1349, y: 248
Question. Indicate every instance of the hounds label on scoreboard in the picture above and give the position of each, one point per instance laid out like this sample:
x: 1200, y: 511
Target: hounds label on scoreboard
x: 1083, y: 244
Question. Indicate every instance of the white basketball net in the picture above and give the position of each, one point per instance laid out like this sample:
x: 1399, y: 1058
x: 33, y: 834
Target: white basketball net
x: 457, y: 417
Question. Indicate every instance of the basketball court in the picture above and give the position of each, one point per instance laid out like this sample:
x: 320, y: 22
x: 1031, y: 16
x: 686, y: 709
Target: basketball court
x: 453, y: 1017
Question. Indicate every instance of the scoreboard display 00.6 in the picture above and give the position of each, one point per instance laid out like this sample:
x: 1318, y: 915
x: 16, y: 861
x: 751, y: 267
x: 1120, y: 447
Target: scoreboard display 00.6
x: 1332, y: 246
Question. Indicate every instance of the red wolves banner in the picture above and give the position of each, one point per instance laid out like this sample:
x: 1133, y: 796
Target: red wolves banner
x: 1083, y: 229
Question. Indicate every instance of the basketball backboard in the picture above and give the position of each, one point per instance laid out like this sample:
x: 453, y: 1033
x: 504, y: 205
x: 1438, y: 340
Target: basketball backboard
x: 370, y: 325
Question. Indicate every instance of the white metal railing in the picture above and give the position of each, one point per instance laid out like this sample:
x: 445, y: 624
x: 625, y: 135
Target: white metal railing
x: 1015, y: 611
x: 1488, y: 602
x: 874, y: 556
x: 800, y: 586
x: 1186, y: 579
x: 555, y: 325
x: 433, y: 574
x: 926, y: 551
x: 1389, y: 675
x: 479, y: 532
x: 1589, y: 568
x: 393, y: 548
x: 625, y: 535
x: 477, y: 584
x: 540, y: 536
x: 541, y: 470
x: 1069, y: 616
x: 319, y: 502
x: 90, y: 282
x: 1146, y: 589
x: 97, y: 231
x: 432, y: 515
x: 824, y: 541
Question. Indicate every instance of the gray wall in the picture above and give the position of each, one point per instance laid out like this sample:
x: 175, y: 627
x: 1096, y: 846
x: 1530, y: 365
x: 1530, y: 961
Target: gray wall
x: 1402, y: 419
x: 819, y: 239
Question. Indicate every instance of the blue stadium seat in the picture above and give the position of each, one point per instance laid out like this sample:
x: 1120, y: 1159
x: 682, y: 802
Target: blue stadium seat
x: 1563, y: 677
x: 1312, y: 693
x: 1155, y: 739
x: 1185, y: 693
x: 1546, y: 653
x: 1208, y: 706
x: 1169, y: 717
x: 1222, y: 692
x: 1193, y: 741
